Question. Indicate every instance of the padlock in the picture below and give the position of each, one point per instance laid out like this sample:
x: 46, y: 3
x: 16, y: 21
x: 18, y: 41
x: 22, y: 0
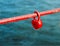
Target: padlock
x: 37, y: 22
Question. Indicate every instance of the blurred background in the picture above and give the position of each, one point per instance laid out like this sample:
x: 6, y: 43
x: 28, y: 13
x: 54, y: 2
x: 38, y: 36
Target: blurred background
x: 22, y: 33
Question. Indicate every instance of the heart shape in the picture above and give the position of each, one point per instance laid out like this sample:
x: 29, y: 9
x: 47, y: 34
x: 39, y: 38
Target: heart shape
x: 36, y: 23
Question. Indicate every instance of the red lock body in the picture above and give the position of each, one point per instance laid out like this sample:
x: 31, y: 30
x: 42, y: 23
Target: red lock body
x: 37, y: 24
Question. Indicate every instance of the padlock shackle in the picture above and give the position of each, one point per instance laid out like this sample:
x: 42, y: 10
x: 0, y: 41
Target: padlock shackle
x: 38, y: 15
x: 24, y: 17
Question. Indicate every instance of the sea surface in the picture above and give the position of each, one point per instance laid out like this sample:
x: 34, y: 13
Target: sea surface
x: 22, y: 33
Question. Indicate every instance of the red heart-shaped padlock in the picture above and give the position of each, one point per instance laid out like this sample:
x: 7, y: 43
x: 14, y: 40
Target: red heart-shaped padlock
x: 37, y: 22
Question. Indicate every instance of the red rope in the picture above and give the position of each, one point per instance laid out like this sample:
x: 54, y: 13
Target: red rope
x: 23, y: 17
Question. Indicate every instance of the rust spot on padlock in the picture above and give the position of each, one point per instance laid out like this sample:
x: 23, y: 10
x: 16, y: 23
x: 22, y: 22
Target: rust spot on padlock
x: 37, y: 22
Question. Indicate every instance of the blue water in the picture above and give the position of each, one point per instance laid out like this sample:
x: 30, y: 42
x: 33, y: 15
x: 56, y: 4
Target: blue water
x: 22, y: 33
